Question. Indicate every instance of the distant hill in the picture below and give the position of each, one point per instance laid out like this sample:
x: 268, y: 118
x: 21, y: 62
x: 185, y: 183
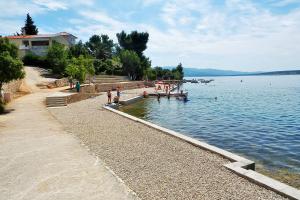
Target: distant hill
x: 190, y: 72
x: 195, y: 72
x: 289, y: 72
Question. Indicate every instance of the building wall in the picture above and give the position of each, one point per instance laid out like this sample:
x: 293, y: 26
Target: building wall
x: 40, y: 50
x: 17, y: 42
x: 61, y: 40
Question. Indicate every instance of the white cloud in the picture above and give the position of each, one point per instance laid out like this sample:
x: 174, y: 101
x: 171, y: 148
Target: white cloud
x: 150, y: 2
x: 200, y: 34
x: 14, y: 8
x: 195, y: 32
x: 51, y: 4
x: 283, y: 3
x: 63, y: 4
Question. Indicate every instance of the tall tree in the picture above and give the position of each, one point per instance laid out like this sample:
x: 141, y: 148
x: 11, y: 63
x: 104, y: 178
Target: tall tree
x: 100, y: 46
x: 78, y: 49
x: 29, y: 28
x: 179, y: 69
x: 134, y: 41
x: 57, y: 58
x: 131, y: 64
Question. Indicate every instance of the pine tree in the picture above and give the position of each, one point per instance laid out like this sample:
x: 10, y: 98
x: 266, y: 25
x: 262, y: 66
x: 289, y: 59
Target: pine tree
x: 29, y: 28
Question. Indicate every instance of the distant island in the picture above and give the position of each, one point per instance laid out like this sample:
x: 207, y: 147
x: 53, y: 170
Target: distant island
x: 289, y: 72
x: 195, y: 72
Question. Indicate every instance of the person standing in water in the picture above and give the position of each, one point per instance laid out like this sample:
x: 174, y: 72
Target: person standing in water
x: 109, y: 96
x: 118, y: 93
x: 158, y: 97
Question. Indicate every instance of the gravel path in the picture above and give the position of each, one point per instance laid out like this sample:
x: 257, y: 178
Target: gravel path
x: 153, y: 164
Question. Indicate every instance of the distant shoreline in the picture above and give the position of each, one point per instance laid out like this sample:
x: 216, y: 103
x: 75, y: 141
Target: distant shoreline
x: 261, y: 74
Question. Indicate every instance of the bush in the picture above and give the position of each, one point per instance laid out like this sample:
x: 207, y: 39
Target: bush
x: 79, y: 68
x: 35, y: 60
x: 100, y: 66
x: 57, y: 58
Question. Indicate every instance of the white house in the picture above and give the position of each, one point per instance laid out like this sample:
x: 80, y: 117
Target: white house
x: 38, y: 44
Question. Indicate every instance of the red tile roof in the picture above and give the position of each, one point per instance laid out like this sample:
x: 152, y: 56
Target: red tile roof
x: 39, y: 36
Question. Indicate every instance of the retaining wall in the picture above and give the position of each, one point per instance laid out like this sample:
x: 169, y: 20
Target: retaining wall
x: 122, y: 85
x: 79, y: 97
x: 11, y: 88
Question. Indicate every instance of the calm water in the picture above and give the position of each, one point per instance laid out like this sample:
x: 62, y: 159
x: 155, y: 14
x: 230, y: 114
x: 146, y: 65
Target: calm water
x: 258, y: 118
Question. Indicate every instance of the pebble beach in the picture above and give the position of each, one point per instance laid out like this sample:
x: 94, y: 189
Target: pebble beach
x: 154, y: 165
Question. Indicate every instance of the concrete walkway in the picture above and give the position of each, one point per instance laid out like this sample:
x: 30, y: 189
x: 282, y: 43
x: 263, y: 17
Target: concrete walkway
x: 39, y: 160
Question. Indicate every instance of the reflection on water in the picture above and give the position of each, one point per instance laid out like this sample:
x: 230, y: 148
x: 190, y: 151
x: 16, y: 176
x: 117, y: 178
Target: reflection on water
x: 258, y: 118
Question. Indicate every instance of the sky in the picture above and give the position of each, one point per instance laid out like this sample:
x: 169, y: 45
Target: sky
x: 244, y: 35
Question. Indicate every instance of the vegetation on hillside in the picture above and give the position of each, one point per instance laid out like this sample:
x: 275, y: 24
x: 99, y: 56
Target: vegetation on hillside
x: 11, y: 67
x: 125, y: 58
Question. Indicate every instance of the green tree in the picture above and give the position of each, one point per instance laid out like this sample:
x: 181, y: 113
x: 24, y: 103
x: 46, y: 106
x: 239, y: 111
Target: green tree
x: 29, y: 28
x: 114, y: 66
x: 131, y: 63
x: 78, y: 49
x: 71, y: 71
x: 137, y: 42
x: 79, y: 68
x: 5, y: 45
x: 149, y: 74
x: 57, y: 58
x: 159, y: 72
x: 134, y: 41
x: 100, y: 47
x: 180, y: 73
x: 11, y: 68
x: 100, y: 66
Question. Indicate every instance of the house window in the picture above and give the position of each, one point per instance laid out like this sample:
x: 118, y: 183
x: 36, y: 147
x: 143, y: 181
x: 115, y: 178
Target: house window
x: 25, y: 43
x: 40, y: 43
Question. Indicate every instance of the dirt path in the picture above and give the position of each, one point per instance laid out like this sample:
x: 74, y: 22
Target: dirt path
x: 39, y: 160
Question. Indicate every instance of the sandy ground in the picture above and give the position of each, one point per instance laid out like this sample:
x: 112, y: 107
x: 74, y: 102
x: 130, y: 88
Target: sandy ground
x: 153, y: 164
x: 40, y: 160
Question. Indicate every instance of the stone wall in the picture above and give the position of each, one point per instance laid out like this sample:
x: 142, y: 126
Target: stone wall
x: 13, y: 86
x: 79, y: 97
x: 123, y: 86
x: 61, y: 82
x: 10, y: 89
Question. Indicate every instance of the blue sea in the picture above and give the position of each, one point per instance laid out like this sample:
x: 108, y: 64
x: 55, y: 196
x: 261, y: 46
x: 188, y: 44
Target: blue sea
x: 257, y: 117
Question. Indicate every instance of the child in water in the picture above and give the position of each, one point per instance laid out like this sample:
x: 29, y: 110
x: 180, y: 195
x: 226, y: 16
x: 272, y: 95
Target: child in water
x: 118, y: 93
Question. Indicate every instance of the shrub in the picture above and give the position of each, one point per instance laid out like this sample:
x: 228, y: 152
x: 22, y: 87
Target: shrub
x: 35, y: 60
x: 57, y: 58
x: 100, y: 66
x: 79, y: 68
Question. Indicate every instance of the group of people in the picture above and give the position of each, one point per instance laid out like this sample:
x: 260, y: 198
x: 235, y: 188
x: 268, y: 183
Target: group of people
x: 116, y: 98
